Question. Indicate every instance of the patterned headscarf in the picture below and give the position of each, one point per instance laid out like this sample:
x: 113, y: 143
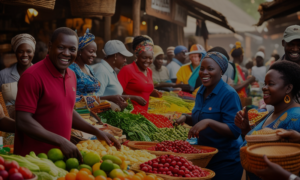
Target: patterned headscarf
x: 220, y: 59
x: 86, y: 39
x: 146, y: 45
x: 21, y: 39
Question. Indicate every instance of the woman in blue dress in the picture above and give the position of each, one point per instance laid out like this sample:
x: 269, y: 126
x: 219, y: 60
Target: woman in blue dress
x: 281, y: 90
x: 213, y: 118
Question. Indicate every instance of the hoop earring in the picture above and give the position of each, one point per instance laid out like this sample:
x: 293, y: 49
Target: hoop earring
x: 287, y: 99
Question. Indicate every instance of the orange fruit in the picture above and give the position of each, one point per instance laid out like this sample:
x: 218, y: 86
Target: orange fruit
x: 150, y: 177
x: 116, y: 179
x: 136, y: 177
x: 86, y: 170
x: 82, y: 175
x: 100, y: 178
x: 61, y: 178
x: 90, y: 177
x: 70, y: 176
x: 74, y: 171
x: 159, y: 178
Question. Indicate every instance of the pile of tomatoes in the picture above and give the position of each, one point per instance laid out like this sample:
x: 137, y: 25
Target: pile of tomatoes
x: 173, y: 166
x: 179, y: 146
x: 159, y: 121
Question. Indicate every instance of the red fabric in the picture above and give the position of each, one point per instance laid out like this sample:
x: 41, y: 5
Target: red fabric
x: 134, y: 82
x: 50, y: 97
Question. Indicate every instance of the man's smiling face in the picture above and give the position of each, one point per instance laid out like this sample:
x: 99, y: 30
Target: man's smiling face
x: 292, y: 50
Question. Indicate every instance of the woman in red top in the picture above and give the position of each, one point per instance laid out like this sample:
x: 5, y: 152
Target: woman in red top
x: 136, y: 78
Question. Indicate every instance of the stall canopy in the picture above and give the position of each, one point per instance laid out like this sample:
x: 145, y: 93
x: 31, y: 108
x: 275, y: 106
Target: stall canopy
x: 203, y: 12
x: 276, y: 9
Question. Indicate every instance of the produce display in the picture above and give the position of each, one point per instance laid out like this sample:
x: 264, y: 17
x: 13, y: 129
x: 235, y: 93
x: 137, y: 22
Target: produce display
x: 116, y: 174
x: 42, y: 167
x: 173, y: 166
x: 159, y: 121
x: 172, y: 134
x: 179, y: 102
x: 130, y: 156
x: 135, y: 126
x: 11, y: 170
x: 160, y: 106
x: 178, y: 146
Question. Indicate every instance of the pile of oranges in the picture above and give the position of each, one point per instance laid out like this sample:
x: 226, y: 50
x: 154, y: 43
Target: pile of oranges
x: 86, y: 174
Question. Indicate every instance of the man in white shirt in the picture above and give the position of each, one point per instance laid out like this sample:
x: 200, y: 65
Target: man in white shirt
x: 259, y: 71
x: 177, y: 62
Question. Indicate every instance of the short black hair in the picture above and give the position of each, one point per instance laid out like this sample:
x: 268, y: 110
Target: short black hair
x: 237, y: 53
x: 276, y: 56
x: 63, y: 30
x: 137, y: 40
x: 220, y: 50
x: 290, y: 74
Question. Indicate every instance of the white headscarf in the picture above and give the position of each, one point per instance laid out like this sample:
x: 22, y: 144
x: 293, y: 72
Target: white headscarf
x: 21, y: 39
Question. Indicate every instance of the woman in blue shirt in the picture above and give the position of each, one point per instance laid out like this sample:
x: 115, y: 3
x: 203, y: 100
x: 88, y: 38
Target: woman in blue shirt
x: 213, y: 118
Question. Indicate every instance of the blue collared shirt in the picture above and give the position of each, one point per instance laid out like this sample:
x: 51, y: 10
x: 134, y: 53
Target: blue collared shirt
x: 221, y: 105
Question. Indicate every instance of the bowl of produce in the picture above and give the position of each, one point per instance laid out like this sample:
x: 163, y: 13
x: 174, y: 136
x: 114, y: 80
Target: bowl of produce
x: 174, y: 167
x: 199, y: 155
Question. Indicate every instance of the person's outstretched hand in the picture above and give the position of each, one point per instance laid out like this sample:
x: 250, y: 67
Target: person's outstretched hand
x: 273, y: 171
x: 290, y: 136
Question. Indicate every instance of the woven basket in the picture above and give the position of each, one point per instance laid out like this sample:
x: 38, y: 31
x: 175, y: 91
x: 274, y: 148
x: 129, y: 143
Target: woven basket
x: 93, y: 7
x: 274, y: 150
x: 48, y: 4
x: 200, y: 159
x: 136, y: 168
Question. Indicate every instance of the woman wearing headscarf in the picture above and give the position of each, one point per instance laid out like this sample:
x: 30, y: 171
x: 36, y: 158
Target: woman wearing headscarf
x: 241, y: 82
x: 136, y: 78
x: 87, y: 83
x: 24, y: 47
x: 213, y: 118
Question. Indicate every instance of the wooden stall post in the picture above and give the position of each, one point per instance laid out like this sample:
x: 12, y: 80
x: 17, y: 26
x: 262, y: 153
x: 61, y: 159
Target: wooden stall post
x: 107, y: 28
x: 136, y: 17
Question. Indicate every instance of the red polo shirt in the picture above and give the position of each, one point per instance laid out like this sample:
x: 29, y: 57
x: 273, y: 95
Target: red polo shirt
x: 50, y: 97
x: 134, y: 82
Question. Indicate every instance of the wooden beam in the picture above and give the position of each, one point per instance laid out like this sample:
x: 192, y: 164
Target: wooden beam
x: 107, y: 28
x: 136, y: 17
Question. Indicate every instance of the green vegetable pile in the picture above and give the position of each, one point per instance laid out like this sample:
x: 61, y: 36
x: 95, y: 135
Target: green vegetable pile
x: 135, y: 126
x: 129, y: 107
x: 171, y: 134
x: 43, y: 168
x: 178, y: 101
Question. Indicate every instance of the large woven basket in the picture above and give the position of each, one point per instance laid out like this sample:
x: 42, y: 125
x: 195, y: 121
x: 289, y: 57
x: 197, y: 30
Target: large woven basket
x: 93, y: 7
x: 286, y: 155
x: 48, y: 4
x: 136, y: 168
x: 200, y: 159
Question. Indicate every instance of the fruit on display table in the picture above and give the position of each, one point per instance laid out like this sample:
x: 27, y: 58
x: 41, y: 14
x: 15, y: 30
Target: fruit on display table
x: 11, y: 170
x: 177, y: 133
x: 178, y: 146
x: 125, y: 154
x: 173, y: 166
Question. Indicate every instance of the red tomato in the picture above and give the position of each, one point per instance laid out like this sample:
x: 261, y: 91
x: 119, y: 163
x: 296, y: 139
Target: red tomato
x: 14, y: 164
x: 1, y: 160
x: 13, y: 170
x: 2, y: 167
x: 27, y: 174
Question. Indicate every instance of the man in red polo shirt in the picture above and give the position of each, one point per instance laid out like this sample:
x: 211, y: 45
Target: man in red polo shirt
x: 45, y: 102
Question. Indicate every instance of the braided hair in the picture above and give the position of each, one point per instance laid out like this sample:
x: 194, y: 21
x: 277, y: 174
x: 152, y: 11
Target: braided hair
x: 290, y: 74
x: 137, y: 40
